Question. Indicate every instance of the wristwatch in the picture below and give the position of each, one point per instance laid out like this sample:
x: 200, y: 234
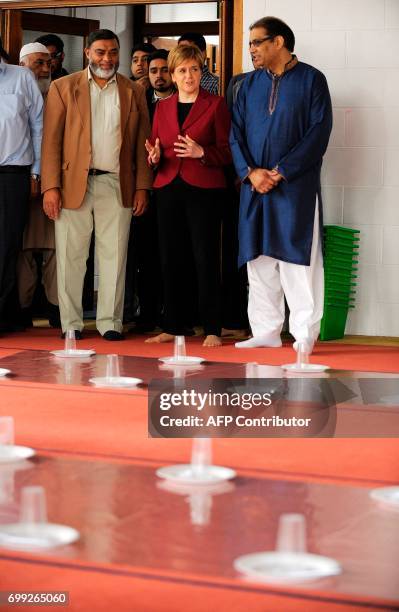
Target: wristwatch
x: 35, y: 177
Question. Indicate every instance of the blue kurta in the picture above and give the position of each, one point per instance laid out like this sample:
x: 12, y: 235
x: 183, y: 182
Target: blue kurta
x: 293, y: 137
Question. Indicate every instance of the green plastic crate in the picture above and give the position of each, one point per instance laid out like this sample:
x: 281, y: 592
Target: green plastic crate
x: 338, y: 230
x: 339, y: 276
x: 345, y: 238
x: 340, y: 272
x: 340, y: 264
x: 343, y: 295
x: 335, y: 302
x: 340, y: 293
x: 340, y: 287
x: 340, y: 251
x: 333, y: 323
x: 347, y: 243
x: 339, y: 259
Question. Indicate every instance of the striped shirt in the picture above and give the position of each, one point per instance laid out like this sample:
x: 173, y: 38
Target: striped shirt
x: 209, y: 81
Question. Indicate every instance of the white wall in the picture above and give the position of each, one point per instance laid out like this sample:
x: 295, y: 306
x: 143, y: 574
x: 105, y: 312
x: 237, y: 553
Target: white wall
x: 356, y: 44
x: 199, y: 11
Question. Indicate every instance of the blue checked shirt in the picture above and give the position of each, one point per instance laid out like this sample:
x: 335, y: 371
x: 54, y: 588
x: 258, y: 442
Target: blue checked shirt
x: 21, y: 118
x: 209, y: 81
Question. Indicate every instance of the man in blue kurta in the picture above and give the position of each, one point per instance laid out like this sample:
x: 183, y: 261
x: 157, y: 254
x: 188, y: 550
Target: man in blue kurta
x: 282, y: 121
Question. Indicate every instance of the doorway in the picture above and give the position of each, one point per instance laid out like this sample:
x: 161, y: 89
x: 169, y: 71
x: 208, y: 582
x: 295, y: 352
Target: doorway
x: 13, y: 19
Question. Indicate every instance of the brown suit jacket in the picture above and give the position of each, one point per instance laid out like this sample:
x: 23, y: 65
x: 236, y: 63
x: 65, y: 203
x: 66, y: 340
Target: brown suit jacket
x: 66, y: 146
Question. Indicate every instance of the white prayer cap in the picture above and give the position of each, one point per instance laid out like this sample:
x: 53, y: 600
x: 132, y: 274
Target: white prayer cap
x: 34, y: 47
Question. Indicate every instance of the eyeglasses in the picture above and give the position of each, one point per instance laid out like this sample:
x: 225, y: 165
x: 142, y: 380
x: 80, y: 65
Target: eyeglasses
x: 56, y: 55
x: 258, y: 41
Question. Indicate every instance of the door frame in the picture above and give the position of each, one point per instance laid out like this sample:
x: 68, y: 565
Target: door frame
x: 230, y: 25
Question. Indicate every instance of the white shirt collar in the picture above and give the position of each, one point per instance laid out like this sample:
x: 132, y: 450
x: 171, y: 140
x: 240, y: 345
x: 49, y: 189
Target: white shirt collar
x: 156, y: 98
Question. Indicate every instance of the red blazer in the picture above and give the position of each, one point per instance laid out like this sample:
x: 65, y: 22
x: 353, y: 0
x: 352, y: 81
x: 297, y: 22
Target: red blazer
x: 208, y: 123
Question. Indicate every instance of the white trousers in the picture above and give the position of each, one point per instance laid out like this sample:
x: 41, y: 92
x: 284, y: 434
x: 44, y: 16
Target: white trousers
x: 303, y: 286
x: 102, y: 206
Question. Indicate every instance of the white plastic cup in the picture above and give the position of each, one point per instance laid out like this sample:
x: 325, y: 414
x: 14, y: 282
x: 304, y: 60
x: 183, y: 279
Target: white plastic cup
x: 200, y: 508
x: 33, y: 508
x: 291, y: 533
x: 302, y: 356
x: 112, y: 370
x: 6, y: 487
x: 201, y: 455
x: 180, y: 347
x: 70, y: 342
x: 7, y: 435
x: 252, y: 370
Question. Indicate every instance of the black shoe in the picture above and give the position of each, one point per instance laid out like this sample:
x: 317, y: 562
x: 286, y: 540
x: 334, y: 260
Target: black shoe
x: 113, y: 335
x: 53, y: 313
x: 78, y: 335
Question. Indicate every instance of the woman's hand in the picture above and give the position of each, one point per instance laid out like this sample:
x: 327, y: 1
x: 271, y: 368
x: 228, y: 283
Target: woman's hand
x: 154, y: 152
x: 186, y: 147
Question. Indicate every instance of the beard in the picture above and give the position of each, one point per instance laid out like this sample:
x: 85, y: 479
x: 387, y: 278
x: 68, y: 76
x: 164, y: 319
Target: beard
x: 44, y: 85
x: 103, y: 74
x: 162, y: 87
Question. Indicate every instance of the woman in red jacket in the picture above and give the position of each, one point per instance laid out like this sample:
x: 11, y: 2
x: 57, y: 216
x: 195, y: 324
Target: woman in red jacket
x: 190, y: 146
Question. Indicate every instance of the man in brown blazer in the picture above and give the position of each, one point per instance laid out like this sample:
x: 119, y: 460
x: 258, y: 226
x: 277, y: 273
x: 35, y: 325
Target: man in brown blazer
x: 94, y: 172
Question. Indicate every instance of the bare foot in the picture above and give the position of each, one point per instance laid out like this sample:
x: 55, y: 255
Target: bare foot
x: 160, y: 338
x: 212, y: 341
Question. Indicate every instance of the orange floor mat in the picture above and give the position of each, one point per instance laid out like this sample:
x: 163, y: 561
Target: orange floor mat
x: 106, y: 423
x: 134, y: 525
x: 338, y: 356
x: 91, y: 590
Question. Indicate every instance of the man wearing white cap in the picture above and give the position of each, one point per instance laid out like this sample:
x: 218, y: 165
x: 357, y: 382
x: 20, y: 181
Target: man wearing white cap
x: 36, y: 57
x: 39, y: 241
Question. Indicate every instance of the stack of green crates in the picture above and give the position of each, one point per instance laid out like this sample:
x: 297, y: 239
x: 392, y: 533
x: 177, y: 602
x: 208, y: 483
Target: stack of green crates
x: 341, y: 248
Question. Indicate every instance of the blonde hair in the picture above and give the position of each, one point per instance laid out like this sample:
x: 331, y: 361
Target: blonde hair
x: 181, y: 54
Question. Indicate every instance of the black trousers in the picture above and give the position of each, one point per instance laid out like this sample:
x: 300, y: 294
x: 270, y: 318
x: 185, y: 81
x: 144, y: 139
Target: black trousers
x: 14, y: 200
x: 143, y: 269
x: 190, y: 218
